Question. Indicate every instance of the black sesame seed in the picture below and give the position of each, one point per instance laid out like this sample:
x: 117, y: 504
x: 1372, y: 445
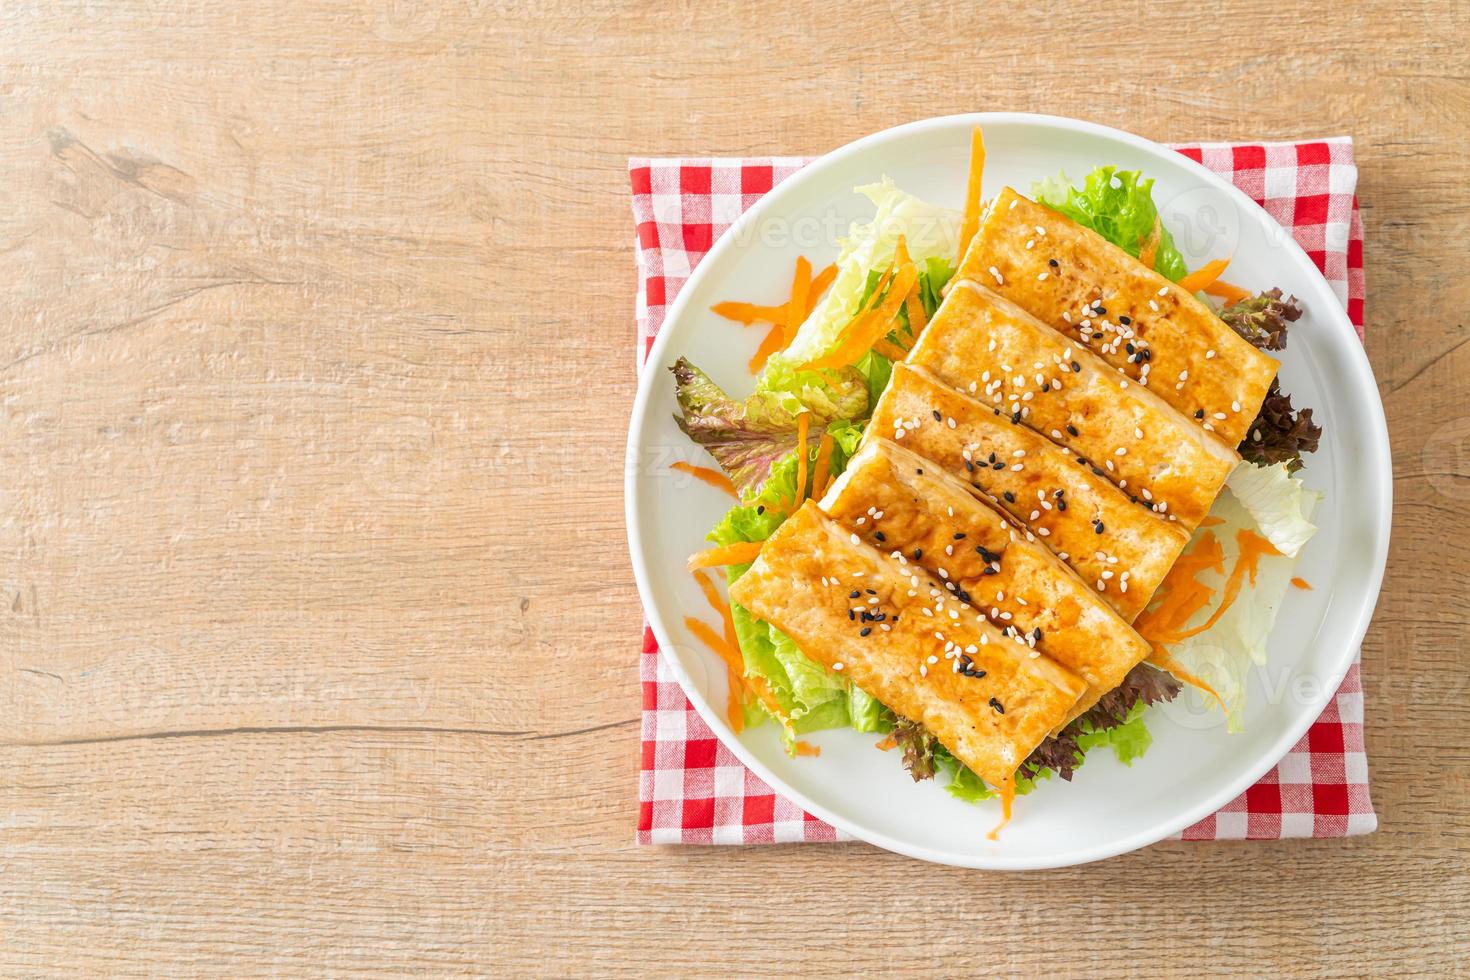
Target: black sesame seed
x: 854, y: 594
x: 1053, y: 263
x: 918, y: 553
x: 991, y: 570
x: 1099, y: 527
x: 1072, y: 429
x: 761, y: 509
x: 1130, y: 348
x: 1099, y: 309
x: 1096, y: 471
x: 1010, y: 497
x: 879, y: 536
x: 1199, y: 414
x: 851, y: 614
x: 919, y: 470
x: 991, y: 458
x: 959, y: 535
x: 1076, y: 368
x: 870, y: 592
x: 1016, y: 417
x: 1000, y: 709
x: 1036, y: 634
x: 1125, y: 319
x: 969, y: 466
x: 1061, y: 505
x: 1097, y: 335
x: 997, y: 466
x: 937, y: 416
x: 1059, y: 494
x: 865, y: 631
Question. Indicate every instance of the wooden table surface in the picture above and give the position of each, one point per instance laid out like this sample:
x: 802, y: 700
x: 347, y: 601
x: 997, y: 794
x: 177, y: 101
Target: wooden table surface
x: 318, y: 639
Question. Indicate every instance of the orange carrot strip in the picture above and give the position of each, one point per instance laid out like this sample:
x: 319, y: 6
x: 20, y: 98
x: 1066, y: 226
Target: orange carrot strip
x: 1212, y: 522
x: 1252, y: 548
x: 1302, y: 583
x: 749, y: 313
x: 971, y: 222
x: 901, y: 252
x: 820, y: 283
x: 1161, y: 658
x: 887, y: 743
x: 734, y: 668
x: 1202, y: 277
x: 890, y: 350
x: 822, y: 468
x: 803, y: 428
x: 913, y: 305
x: 731, y: 554
x: 1229, y: 292
x: 714, y: 478
x: 868, y: 328
x: 806, y: 748
x: 801, y: 282
x: 719, y: 605
x: 1148, y: 249
x: 774, y: 341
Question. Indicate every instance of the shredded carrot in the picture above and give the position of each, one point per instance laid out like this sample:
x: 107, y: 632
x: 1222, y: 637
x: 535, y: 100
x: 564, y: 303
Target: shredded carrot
x: 1007, y: 799
x: 971, y: 222
x: 801, y: 281
x: 1229, y: 292
x: 1302, y: 583
x: 775, y: 340
x: 719, y: 605
x: 1252, y: 548
x: 868, y: 328
x: 806, y: 748
x: 731, y: 554
x: 889, y: 742
x: 1212, y: 522
x: 820, y: 283
x: 1202, y: 277
x: 714, y: 478
x: 734, y: 669
x: 1148, y: 249
x: 901, y: 252
x: 1161, y: 658
x: 822, y: 468
x: 750, y: 313
x: 890, y: 350
x: 736, y: 664
x: 803, y: 429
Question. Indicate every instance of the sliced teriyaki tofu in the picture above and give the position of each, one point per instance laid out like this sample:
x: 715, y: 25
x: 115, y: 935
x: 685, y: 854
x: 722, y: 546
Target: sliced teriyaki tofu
x: 905, y: 639
x: 982, y: 343
x: 1122, y: 549
x: 1078, y: 282
x: 902, y: 503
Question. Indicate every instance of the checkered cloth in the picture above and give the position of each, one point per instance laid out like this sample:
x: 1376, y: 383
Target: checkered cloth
x: 692, y: 790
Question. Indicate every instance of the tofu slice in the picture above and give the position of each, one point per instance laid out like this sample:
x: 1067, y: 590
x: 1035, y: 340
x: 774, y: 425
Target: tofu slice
x: 991, y: 717
x: 1195, y: 362
x: 1123, y: 550
x: 901, y: 503
x: 982, y: 343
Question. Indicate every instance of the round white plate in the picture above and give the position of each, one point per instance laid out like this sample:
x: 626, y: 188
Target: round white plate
x: 1194, y: 766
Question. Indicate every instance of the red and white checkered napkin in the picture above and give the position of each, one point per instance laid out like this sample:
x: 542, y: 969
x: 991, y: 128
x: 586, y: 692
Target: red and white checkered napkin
x: 692, y: 790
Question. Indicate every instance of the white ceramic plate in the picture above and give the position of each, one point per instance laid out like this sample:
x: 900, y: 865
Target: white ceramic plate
x: 1194, y: 766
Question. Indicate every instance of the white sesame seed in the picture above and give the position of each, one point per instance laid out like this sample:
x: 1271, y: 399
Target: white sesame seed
x: 1056, y: 433
x: 1138, y: 433
x: 933, y: 659
x: 1102, y: 586
x: 1043, y: 532
x: 1034, y: 515
x: 1220, y: 415
x: 1153, y: 306
x: 1017, y: 467
x: 1121, y: 451
x: 1063, y: 555
x: 1209, y: 355
x: 1041, y: 277
x: 996, y: 273
x: 1147, y: 495
x: 1163, y: 290
x: 1019, y: 453
x: 923, y: 670
x: 1013, y: 205
x: 1235, y: 406
x: 855, y: 539
x: 1030, y: 243
x: 837, y: 665
x: 1040, y: 230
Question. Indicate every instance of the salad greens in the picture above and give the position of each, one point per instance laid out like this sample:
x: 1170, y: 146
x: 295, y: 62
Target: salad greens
x: 1119, y: 206
x: 755, y: 441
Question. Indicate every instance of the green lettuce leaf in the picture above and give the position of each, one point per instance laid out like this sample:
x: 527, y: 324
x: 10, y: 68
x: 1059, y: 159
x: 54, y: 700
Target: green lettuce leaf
x: 1119, y: 206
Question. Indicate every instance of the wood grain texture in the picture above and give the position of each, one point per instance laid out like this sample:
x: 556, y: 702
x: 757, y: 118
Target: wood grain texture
x: 315, y: 363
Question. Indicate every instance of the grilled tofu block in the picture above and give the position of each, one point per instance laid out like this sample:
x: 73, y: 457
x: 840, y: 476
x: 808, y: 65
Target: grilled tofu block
x: 1100, y: 296
x: 901, y: 503
x: 982, y: 343
x: 907, y: 641
x: 1122, y: 549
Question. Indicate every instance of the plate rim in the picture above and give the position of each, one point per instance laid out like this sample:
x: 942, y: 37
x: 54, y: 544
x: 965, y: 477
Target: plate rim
x: 1376, y: 441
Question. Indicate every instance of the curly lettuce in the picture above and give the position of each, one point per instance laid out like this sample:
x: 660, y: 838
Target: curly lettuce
x: 1119, y: 206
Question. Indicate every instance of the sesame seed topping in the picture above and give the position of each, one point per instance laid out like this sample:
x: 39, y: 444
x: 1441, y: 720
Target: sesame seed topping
x: 996, y: 273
